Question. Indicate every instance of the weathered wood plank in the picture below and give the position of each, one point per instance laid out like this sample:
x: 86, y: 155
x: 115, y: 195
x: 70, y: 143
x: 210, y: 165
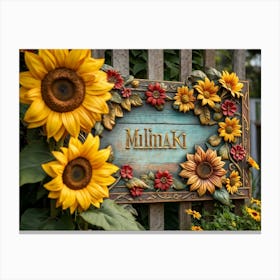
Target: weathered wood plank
x: 238, y: 63
x: 155, y: 64
x: 209, y: 58
x: 185, y: 220
x: 185, y: 64
x: 98, y: 53
x: 120, y: 61
x: 156, y: 216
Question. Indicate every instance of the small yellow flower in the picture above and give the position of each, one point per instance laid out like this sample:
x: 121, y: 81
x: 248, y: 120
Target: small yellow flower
x: 252, y: 162
x: 230, y: 129
x: 233, y: 224
x: 233, y: 182
x: 231, y: 83
x: 194, y: 213
x: 256, y: 201
x: 207, y: 92
x: 254, y: 214
x: 196, y: 228
x: 184, y: 98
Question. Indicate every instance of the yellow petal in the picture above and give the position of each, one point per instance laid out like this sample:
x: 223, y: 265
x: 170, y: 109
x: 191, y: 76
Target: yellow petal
x: 48, y: 59
x: 100, y: 191
x: 54, y: 123
x: 54, y: 185
x: 37, y: 111
x: 90, y: 146
x: 100, y: 158
x: 28, y: 81
x: 71, y: 123
x: 73, y: 151
x: 90, y: 65
x: 192, y: 179
x: 70, y: 198
x: 32, y: 94
x: 36, y: 124
x: 96, y: 104
x: 60, y: 56
x: 105, y: 170
x: 48, y: 169
x: 86, y: 122
x: 73, y: 207
x: 76, y: 58
x: 82, y: 199
x: 22, y: 93
x: 54, y: 195
x: 35, y: 65
x: 104, y: 181
x: 60, y: 157
x: 59, y: 134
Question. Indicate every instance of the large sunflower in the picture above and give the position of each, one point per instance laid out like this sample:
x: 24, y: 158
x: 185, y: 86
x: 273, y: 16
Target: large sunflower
x: 81, y: 175
x: 207, y: 92
x: 203, y: 170
x: 66, y: 91
x: 230, y: 129
x: 231, y: 83
x: 184, y: 98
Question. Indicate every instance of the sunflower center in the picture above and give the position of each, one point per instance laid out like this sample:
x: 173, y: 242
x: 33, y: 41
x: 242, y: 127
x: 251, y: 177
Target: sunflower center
x: 254, y: 214
x: 204, y: 170
x: 163, y: 180
x: 63, y: 90
x: 229, y: 129
x: 185, y: 99
x: 77, y: 173
x: 206, y: 94
x: 156, y: 94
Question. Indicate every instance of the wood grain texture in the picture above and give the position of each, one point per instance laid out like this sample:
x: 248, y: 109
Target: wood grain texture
x: 185, y: 64
x: 185, y: 220
x: 156, y: 216
x: 98, y: 53
x: 155, y: 64
x: 120, y: 59
x: 239, y: 57
x: 209, y: 58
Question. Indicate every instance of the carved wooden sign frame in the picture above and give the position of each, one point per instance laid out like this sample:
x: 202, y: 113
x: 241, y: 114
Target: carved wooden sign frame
x: 152, y: 138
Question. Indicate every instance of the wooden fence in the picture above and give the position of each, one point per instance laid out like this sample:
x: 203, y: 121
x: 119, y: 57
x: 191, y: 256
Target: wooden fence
x: 120, y: 61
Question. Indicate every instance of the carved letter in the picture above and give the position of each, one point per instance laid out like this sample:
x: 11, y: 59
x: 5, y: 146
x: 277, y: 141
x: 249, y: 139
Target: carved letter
x: 131, y: 141
x: 176, y: 139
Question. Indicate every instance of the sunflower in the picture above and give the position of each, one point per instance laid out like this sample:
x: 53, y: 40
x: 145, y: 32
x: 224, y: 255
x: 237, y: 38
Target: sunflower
x: 194, y: 213
x: 207, y: 92
x: 254, y: 214
x: 184, y: 98
x: 81, y: 175
x: 203, y: 170
x: 231, y: 83
x: 66, y: 91
x: 196, y: 228
x: 230, y: 129
x: 233, y: 182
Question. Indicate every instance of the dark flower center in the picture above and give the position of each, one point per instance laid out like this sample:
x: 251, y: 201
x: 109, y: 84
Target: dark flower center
x: 185, y: 99
x: 63, y: 90
x: 254, y: 214
x: 77, y: 174
x: 163, y: 180
x: 156, y: 94
x: 229, y: 129
x: 206, y: 94
x: 204, y: 170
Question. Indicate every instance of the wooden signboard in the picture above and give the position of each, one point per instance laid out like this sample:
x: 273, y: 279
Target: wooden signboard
x: 151, y: 140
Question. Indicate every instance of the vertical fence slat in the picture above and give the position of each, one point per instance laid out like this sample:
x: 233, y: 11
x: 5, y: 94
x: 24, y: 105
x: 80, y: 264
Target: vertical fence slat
x: 209, y: 58
x: 98, y: 53
x: 155, y: 72
x: 238, y: 63
x: 120, y: 61
x: 155, y: 64
x: 185, y: 64
x: 185, y: 71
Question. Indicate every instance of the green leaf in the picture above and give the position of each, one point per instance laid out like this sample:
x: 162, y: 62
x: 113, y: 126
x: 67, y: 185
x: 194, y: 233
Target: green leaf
x: 22, y: 109
x: 213, y: 74
x: 111, y: 216
x: 31, y: 158
x: 34, y: 218
x: 222, y: 195
x: 116, y: 98
x: 63, y: 223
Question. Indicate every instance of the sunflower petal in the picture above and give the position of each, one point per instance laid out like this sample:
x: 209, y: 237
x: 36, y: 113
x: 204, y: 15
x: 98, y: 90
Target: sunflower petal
x: 37, y: 111
x: 55, y: 184
x: 35, y: 65
x: 60, y: 56
x: 90, y: 146
x: 60, y: 157
x: 100, y: 158
x: 105, y: 170
x: 28, y: 81
x: 48, y: 59
x: 90, y: 65
x: 96, y: 104
x: 71, y: 123
x: 75, y: 58
x: 54, y: 123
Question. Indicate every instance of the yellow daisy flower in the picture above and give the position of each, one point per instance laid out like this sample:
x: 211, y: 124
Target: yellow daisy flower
x: 66, y: 91
x: 253, y: 163
x: 256, y: 201
x: 231, y: 83
x: 81, y: 175
x: 184, y: 98
x: 230, y: 129
x: 254, y: 214
x: 194, y: 213
x: 207, y: 92
x: 233, y: 182
x: 196, y: 228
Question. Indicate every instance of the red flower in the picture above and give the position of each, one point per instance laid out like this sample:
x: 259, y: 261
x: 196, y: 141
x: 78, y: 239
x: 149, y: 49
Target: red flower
x: 136, y: 191
x: 126, y: 172
x: 163, y: 180
x: 155, y: 94
x: 126, y: 92
x: 238, y: 152
x: 229, y: 108
x: 115, y: 77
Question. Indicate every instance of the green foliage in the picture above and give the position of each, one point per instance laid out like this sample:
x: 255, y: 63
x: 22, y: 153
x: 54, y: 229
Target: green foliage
x: 31, y: 158
x: 39, y: 219
x: 111, y: 216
